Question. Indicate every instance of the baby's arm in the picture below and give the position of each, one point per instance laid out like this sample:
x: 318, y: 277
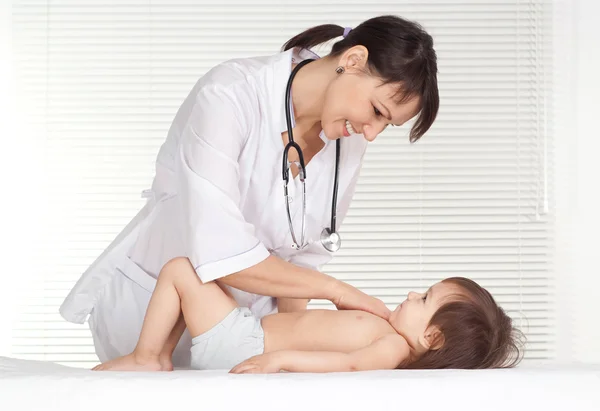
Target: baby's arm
x: 385, y: 353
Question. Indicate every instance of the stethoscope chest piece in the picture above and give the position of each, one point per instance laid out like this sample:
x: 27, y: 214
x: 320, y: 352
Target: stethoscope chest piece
x: 331, y: 241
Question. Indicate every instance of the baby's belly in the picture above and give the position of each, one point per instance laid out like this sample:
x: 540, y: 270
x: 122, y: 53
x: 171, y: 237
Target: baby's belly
x: 323, y: 330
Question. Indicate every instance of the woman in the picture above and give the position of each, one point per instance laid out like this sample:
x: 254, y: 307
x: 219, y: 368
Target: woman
x: 217, y: 196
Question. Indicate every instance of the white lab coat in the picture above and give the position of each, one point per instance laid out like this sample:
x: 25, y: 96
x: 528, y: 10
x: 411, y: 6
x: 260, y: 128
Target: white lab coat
x: 217, y: 198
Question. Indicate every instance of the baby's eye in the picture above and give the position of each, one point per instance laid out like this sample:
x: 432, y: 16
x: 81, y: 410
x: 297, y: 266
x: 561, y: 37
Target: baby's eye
x: 377, y: 112
x: 425, y: 297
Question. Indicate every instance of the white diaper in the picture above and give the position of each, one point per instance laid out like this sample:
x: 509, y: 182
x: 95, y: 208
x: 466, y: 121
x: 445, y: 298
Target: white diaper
x: 235, y: 339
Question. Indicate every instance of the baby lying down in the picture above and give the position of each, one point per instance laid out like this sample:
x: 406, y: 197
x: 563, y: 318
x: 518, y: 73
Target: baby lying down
x: 455, y: 324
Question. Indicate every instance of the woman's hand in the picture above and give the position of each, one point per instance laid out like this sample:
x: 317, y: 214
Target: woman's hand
x: 347, y: 297
x: 260, y: 364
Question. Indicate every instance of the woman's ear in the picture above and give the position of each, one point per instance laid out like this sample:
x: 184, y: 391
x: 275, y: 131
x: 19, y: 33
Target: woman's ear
x: 432, y: 338
x: 355, y: 59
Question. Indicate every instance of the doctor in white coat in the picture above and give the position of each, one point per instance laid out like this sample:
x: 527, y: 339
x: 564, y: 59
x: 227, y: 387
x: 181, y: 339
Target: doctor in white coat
x: 217, y: 197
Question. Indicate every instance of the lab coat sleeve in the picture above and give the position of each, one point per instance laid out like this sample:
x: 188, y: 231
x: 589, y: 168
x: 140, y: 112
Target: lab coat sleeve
x: 315, y: 256
x: 218, y: 241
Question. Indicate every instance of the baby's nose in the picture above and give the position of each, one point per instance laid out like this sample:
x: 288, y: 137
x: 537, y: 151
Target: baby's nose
x: 412, y: 295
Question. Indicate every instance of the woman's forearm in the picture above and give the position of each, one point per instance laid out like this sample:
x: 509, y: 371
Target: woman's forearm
x: 278, y: 278
x: 275, y: 277
x: 291, y: 305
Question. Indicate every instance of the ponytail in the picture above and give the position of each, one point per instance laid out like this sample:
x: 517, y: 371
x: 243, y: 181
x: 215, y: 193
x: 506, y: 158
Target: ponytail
x: 314, y: 36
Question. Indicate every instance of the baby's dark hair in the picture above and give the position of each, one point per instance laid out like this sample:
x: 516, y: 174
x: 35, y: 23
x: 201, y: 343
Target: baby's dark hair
x: 475, y: 333
x: 400, y: 52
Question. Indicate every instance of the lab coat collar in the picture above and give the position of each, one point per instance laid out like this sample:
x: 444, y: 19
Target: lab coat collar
x: 292, y: 56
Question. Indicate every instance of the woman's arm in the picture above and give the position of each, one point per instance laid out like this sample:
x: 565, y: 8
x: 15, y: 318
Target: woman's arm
x: 291, y: 305
x: 276, y: 277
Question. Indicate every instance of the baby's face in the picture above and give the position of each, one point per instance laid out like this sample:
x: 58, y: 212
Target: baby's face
x: 411, y: 318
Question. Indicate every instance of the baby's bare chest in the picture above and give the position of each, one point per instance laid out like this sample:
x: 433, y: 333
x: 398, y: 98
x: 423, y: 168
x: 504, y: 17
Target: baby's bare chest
x: 328, y: 330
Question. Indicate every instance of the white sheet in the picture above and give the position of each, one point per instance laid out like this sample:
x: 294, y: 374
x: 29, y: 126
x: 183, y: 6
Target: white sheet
x: 29, y: 385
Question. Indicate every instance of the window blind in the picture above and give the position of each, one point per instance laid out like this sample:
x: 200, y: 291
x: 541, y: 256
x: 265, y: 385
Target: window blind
x: 99, y: 83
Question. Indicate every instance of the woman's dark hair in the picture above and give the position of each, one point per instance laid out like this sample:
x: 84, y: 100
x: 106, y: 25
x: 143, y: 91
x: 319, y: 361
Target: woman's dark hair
x: 475, y: 333
x: 400, y: 52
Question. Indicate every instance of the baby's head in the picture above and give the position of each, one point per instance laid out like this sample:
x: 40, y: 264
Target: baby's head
x: 457, y: 324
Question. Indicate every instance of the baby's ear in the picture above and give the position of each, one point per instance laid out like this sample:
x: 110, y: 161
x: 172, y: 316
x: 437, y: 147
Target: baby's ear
x: 432, y: 338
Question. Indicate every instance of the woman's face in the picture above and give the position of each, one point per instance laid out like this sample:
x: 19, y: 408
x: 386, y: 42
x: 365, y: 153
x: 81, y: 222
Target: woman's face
x: 356, y: 102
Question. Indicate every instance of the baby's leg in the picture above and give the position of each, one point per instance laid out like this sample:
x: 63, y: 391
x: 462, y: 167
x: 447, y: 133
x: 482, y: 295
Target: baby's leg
x: 165, y: 357
x: 178, y: 289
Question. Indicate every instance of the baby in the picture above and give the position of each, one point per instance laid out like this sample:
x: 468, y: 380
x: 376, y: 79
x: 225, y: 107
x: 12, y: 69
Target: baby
x: 455, y: 324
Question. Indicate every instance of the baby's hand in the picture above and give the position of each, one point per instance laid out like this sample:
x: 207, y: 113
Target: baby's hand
x: 260, y: 364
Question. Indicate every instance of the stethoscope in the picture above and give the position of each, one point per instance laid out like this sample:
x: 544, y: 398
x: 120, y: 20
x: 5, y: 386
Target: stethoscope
x: 329, y: 237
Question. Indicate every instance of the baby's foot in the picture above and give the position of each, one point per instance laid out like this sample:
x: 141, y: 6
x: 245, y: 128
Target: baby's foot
x: 129, y: 363
x: 165, y: 362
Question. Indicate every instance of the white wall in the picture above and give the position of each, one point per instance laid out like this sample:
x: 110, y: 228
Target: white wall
x: 7, y: 229
x: 578, y: 180
x: 20, y: 195
x: 586, y: 252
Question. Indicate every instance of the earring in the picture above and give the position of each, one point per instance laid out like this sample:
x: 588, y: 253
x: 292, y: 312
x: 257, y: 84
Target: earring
x: 339, y: 70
